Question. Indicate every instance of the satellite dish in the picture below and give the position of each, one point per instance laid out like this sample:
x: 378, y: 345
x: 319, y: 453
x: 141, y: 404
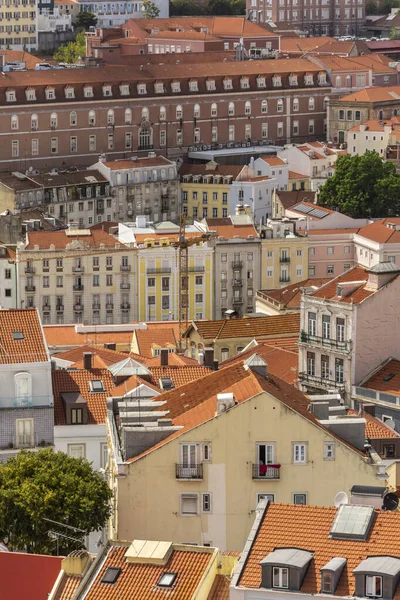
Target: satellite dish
x: 341, y: 498
x: 390, y: 423
x: 390, y: 501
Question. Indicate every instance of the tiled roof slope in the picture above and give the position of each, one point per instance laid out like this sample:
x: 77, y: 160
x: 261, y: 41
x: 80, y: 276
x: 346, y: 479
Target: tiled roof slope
x: 289, y: 199
x: 78, y: 381
x: 377, y: 380
x: 373, y: 94
x: 284, y: 343
x: 282, y: 363
x: 375, y: 429
x: 139, y: 581
x: 380, y: 232
x: 68, y: 586
x: 180, y: 375
x: 27, y: 576
x: 110, y: 357
x: 220, y: 588
x: 32, y: 348
x: 68, y: 335
x: 44, y: 239
x: 252, y: 327
x: 290, y: 295
x: 147, y: 339
x: 329, y: 291
x: 307, y: 527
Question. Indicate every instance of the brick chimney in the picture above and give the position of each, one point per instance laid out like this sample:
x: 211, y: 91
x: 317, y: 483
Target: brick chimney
x: 87, y: 361
x: 164, y: 357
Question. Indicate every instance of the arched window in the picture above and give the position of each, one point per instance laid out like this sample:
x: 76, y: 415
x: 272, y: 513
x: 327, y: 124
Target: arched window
x: 92, y: 118
x: 264, y: 107
x: 326, y: 102
x: 145, y: 138
x: 338, y: 82
x: 23, y: 388
x: 196, y: 111
x: 73, y: 118
x: 179, y: 112
x: 128, y: 116
x: 163, y: 113
x: 231, y: 109
x: 34, y: 121
x: 214, y: 110
x: 145, y: 114
x: 247, y: 108
x: 311, y: 103
x: 295, y: 104
x: 14, y: 122
x: 110, y: 117
x: 279, y: 105
x: 53, y: 120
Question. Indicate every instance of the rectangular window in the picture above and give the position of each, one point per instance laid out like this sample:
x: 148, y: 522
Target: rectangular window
x: 54, y: 145
x: 15, y: 148
x: 327, y: 582
x: 339, y: 370
x: 206, y: 502
x: 189, y: 504
x: 280, y: 577
x: 206, y: 452
x: 299, y: 498
x: 326, y: 326
x: 76, y: 416
x: 373, y: 586
x: 73, y: 143
x: 329, y: 450
x: 299, y: 453
x: 312, y: 323
x: 77, y: 450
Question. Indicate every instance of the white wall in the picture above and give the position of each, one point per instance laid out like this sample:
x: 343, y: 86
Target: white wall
x: 6, y: 301
x: 42, y: 391
x: 93, y: 436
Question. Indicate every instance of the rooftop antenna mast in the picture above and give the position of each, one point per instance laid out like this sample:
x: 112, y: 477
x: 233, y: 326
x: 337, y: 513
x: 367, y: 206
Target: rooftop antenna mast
x: 56, y: 534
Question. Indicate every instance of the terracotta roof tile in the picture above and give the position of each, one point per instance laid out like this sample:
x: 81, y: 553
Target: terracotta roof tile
x: 389, y: 371
x: 32, y: 347
x: 360, y: 293
x: 273, y: 326
x: 294, y: 175
x: 375, y: 429
x: 139, y: 581
x: 68, y: 586
x: 60, y: 239
x: 180, y: 375
x: 148, y: 339
x: 78, y: 381
x: 218, y: 26
x: 308, y: 527
x: 290, y: 295
x: 274, y: 161
x: 380, y: 232
x: 68, y: 335
x: 284, y: 343
x: 373, y: 94
x: 110, y: 357
x: 220, y: 588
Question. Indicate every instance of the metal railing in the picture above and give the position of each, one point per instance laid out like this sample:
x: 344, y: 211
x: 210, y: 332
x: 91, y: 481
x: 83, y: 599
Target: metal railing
x: 78, y: 287
x: 29, y: 269
x: 321, y: 382
x: 266, y: 471
x: 125, y: 286
x: 125, y: 305
x: 125, y: 267
x: 196, y: 269
x: 77, y: 269
x: 238, y: 282
x: 158, y: 270
x: 285, y: 279
x: 78, y: 307
x: 316, y: 340
x: 185, y: 472
x: 237, y: 264
x: 25, y: 402
x: 284, y: 259
x: 30, y: 288
x: 238, y: 301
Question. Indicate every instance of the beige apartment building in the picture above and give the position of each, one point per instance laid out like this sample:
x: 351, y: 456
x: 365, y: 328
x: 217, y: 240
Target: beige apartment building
x: 77, y: 276
x: 185, y: 474
x: 18, y: 25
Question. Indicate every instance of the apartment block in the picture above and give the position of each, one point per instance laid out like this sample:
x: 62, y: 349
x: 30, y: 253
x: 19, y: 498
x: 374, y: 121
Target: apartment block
x: 328, y: 17
x: 18, y: 29
x: 78, y: 276
x: 313, y: 159
x: 348, y: 327
x: 8, y: 270
x: 158, y: 273
x: 376, y: 136
x: 142, y: 186
x: 284, y: 254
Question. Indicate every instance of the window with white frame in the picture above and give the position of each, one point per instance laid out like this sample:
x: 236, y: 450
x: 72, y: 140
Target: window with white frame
x: 293, y: 79
x: 276, y: 81
x: 128, y: 116
x: 69, y: 92
x: 227, y: 84
x: 11, y: 96
x: 299, y: 453
x: 88, y: 91
x: 189, y: 504
x: 141, y: 89
x: 15, y: 148
x: 247, y: 108
x: 50, y: 94
x: 176, y: 87
x: 231, y: 109
x: 329, y: 450
x: 261, y: 83
x: 309, y: 79
x: 262, y: 496
x: 244, y: 83
x: 24, y: 432
x: 373, y: 586
x: 30, y: 94
x: 206, y: 451
x: 327, y: 582
x: 76, y: 450
x: 210, y: 85
x: 206, y: 502
x: 193, y: 85
x: 159, y: 87
x: 124, y: 89
x: 299, y: 498
x: 280, y: 577
x: 107, y: 90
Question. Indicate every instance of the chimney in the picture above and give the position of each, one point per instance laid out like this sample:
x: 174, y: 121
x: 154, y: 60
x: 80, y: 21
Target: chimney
x: 75, y: 563
x: 209, y: 358
x: 87, y: 361
x: 164, y: 357
x: 320, y: 410
x: 110, y: 346
x: 215, y: 365
x: 200, y: 358
x: 370, y: 409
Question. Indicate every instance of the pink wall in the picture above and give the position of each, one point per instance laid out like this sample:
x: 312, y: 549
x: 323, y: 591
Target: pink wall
x: 322, y: 243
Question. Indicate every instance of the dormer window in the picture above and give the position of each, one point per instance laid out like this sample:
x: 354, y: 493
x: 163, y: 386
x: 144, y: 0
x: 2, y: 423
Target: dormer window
x: 285, y: 568
x: 210, y: 85
x: 124, y: 89
x: 88, y: 91
x: 261, y: 82
x: 373, y: 586
x: 159, y: 87
x: 245, y: 83
x: 293, y: 79
x: 309, y: 79
x: 11, y: 96
x: 280, y: 577
x: 50, y: 94
x: 327, y: 583
x: 227, y: 84
x: 194, y: 86
x: 69, y: 92
x: 141, y: 88
x: 30, y: 94
x: 277, y: 81
x: 107, y: 90
x: 176, y: 87
x: 377, y: 577
x: 330, y: 574
x: 322, y: 78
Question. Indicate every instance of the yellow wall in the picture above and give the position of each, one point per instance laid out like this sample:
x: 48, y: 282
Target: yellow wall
x: 210, y: 188
x: 7, y: 199
x: 297, y: 182
x: 149, y: 495
x: 273, y: 263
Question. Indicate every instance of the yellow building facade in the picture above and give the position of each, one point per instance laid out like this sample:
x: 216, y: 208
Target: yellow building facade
x: 284, y: 260
x: 306, y: 464
x: 158, y: 281
x: 18, y: 29
x: 202, y: 200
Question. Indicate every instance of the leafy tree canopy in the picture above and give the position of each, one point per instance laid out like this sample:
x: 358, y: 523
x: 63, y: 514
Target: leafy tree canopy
x: 150, y: 9
x: 363, y: 186
x: 86, y: 19
x: 71, y: 52
x: 207, y: 7
x: 53, y: 485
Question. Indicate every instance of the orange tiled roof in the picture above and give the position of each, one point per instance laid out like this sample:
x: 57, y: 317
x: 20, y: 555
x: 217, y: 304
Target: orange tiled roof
x: 300, y: 45
x: 32, y: 348
x: 284, y: 343
x: 329, y: 291
x: 290, y: 295
x: 68, y: 586
x: 375, y: 429
x: 226, y: 229
x: 389, y: 371
x: 20, y: 56
x: 376, y: 125
x: 279, y: 325
x: 174, y: 359
x: 380, y: 232
x: 294, y: 175
x: 147, y: 339
x: 138, y: 581
x: 180, y: 375
x: 373, y: 94
x: 44, y: 239
x: 307, y: 527
x: 274, y: 161
x: 110, y: 357
x: 67, y: 335
x: 220, y: 588
x: 78, y: 381
x: 218, y: 26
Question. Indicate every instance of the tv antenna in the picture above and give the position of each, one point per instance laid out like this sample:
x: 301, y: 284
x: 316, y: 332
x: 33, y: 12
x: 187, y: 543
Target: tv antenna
x: 66, y: 533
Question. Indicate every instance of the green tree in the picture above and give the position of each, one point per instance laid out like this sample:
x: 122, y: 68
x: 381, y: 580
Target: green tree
x: 371, y: 7
x: 150, y: 10
x: 363, y: 186
x: 86, y: 19
x: 394, y: 33
x: 52, y: 485
x: 71, y: 52
x: 187, y: 8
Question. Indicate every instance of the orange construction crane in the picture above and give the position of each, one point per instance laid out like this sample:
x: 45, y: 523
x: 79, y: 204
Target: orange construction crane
x: 183, y: 245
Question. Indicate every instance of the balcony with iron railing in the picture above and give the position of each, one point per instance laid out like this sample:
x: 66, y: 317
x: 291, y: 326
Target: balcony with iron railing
x: 319, y: 382
x: 196, y: 269
x: 271, y: 471
x: 238, y: 301
x: 125, y: 267
x: 125, y: 305
x: 96, y: 306
x: 284, y: 279
x: 29, y: 269
x: 237, y: 264
x: 26, y: 402
x: 59, y: 307
x: 46, y: 308
x: 158, y: 270
x: 109, y: 306
x: 78, y: 269
x: 237, y: 282
x: 78, y: 307
x: 125, y: 286
x: 324, y: 342
x: 284, y: 259
x: 30, y: 288
x: 193, y: 473
x: 78, y: 287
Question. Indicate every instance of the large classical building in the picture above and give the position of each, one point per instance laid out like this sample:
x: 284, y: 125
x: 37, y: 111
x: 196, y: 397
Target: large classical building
x: 69, y: 116
x: 341, y: 17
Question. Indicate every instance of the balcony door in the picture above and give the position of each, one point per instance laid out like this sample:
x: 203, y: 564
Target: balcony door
x: 188, y: 460
x: 265, y: 455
